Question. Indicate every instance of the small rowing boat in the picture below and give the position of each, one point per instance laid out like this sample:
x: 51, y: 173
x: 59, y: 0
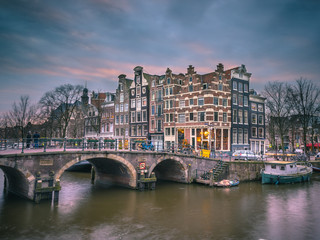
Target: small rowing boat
x: 227, y: 183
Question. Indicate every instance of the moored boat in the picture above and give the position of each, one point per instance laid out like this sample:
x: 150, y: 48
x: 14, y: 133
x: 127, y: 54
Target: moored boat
x: 315, y: 169
x: 277, y: 172
x: 227, y: 183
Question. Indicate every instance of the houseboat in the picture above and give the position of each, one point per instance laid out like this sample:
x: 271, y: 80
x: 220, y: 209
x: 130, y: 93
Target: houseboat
x: 277, y: 172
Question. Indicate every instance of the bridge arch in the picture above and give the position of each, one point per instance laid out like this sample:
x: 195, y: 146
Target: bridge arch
x: 109, y: 169
x: 170, y: 168
x: 18, y: 180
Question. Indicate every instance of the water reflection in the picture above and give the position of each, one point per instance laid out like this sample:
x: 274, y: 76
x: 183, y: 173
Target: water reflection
x: 173, y: 211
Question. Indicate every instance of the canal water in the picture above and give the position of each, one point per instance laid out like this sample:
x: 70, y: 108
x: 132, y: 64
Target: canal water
x: 172, y: 211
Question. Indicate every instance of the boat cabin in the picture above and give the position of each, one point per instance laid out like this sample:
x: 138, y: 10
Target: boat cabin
x: 280, y: 167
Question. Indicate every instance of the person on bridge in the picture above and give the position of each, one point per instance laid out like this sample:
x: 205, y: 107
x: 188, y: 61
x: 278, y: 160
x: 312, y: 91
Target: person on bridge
x: 36, y: 137
x: 28, y: 139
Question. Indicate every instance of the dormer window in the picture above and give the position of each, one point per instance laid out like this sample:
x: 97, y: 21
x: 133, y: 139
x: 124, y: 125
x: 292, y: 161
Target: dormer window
x: 190, y: 79
x: 168, y: 80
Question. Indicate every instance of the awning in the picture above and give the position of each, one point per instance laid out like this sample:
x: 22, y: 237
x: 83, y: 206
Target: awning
x: 314, y: 145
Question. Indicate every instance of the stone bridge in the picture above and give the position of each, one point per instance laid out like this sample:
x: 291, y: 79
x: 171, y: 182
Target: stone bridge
x: 36, y: 175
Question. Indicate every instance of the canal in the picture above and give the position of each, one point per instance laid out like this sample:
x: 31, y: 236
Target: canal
x: 172, y: 211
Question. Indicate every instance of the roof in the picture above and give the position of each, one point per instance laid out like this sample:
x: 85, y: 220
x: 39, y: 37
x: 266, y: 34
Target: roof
x: 279, y: 162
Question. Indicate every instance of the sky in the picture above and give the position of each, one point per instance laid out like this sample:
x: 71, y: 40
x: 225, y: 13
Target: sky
x: 44, y: 44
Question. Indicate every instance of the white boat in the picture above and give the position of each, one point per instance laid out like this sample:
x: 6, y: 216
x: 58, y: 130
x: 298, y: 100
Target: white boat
x: 277, y: 172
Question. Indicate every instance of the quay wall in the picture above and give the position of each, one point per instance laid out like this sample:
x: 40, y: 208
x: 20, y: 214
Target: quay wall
x: 244, y: 170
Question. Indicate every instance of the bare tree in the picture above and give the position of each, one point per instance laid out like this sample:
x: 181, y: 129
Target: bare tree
x: 60, y: 104
x: 305, y: 100
x: 21, y: 114
x: 278, y: 109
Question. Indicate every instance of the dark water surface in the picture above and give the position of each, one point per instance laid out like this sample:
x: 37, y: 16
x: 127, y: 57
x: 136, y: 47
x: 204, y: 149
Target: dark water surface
x: 172, y: 211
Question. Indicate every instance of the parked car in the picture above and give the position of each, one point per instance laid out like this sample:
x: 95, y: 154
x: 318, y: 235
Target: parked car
x: 245, y: 155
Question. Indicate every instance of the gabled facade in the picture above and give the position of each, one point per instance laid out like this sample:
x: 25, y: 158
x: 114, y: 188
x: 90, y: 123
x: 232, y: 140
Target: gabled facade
x: 197, y: 109
x: 122, y: 112
x: 156, y: 106
x: 240, y: 109
x: 257, y: 122
x: 139, y: 106
x: 107, y: 117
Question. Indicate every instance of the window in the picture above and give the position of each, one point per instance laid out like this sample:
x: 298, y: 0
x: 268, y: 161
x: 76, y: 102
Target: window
x: 191, y: 117
x: 240, y: 116
x: 225, y: 117
x: 190, y: 79
x: 201, y: 116
x: 144, y: 90
x: 121, y: 119
x: 171, y: 103
x: 191, y: 101
x: 225, y: 102
x: 152, y: 110
x: 260, y: 119
x: 254, y: 118
x: 234, y: 135
x: 240, y: 100
x: 245, y: 136
x: 133, y: 103
x: 190, y: 88
x: 234, y: 116
x: 234, y: 99
x: 220, y: 87
x: 116, y: 110
x: 167, y: 91
x: 159, y: 125
x: 240, y: 87
x: 144, y: 115
x: 234, y: 85
x: 181, y: 118
x: 127, y: 118
x: 260, y: 132
x: 167, y: 117
x: 216, y: 116
x: 171, y: 117
x: 200, y: 101
x: 253, y: 106
x: 132, y: 92
x: 121, y: 107
x: 245, y: 119
x: 117, y: 119
x: 171, y: 91
x: 159, y: 110
x: 167, y: 131
x: 153, y: 96
x: 245, y: 100
x: 168, y: 80
x: 260, y: 107
x: 254, y: 132
x: 121, y: 97
x: 220, y: 77
x: 138, y: 116
x: 153, y: 83
x: 144, y: 101
x: 126, y: 107
x: 245, y: 87
x: 204, y: 86
x: 216, y: 101
x: 138, y: 91
x: 240, y: 136
x: 182, y: 103
x: 138, y: 103
x: 133, y: 117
